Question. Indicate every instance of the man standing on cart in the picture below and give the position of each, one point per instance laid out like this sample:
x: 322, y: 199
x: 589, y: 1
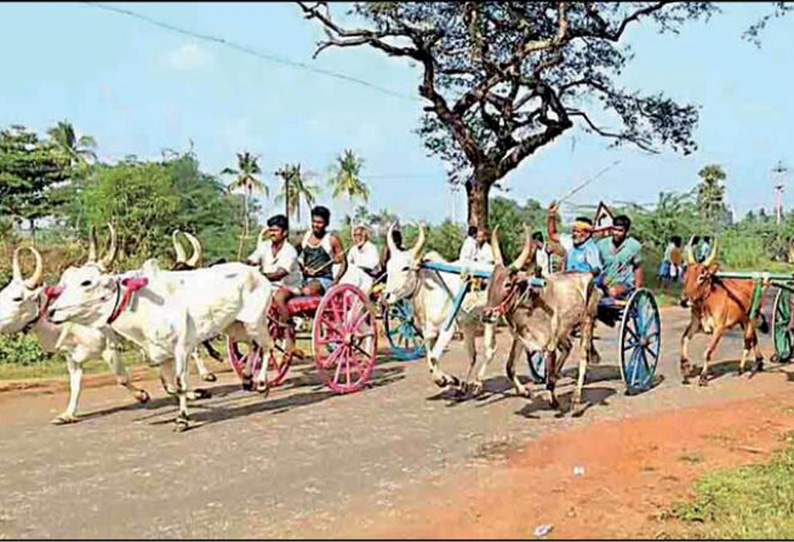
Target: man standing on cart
x: 579, y: 249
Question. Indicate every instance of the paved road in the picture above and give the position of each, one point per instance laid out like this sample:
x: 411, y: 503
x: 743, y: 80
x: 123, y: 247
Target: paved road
x: 292, y: 463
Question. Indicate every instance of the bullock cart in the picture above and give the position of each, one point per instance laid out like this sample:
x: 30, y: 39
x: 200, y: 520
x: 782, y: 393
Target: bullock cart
x: 344, y: 339
x: 783, y: 283
x: 639, y: 339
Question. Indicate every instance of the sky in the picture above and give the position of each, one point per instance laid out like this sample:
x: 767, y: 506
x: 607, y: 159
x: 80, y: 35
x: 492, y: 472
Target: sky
x: 139, y: 89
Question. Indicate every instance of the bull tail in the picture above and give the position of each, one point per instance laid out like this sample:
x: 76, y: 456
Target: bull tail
x: 763, y: 324
x: 212, y: 352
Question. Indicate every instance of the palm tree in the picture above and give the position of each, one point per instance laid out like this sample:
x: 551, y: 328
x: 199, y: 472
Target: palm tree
x: 247, y: 180
x: 711, y: 194
x: 80, y: 150
x: 346, y: 177
x: 294, y: 189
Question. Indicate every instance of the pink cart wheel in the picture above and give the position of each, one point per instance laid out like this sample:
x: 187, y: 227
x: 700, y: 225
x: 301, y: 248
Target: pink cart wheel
x: 278, y: 360
x: 345, y: 338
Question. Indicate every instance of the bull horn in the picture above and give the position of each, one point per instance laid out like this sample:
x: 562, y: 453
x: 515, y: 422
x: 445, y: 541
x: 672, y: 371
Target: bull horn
x: 197, y: 251
x: 390, y: 239
x: 92, y: 244
x: 419, y: 246
x: 690, y: 258
x: 526, y: 252
x: 262, y: 233
x: 110, y: 256
x: 495, y: 250
x: 178, y: 248
x: 38, y: 273
x: 712, y: 257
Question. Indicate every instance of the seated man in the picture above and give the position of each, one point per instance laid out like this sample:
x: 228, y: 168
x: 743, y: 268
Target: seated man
x: 278, y: 261
x: 362, y: 260
x: 469, y: 247
x: 579, y: 249
x: 478, y: 252
x: 320, y: 251
x: 622, y: 260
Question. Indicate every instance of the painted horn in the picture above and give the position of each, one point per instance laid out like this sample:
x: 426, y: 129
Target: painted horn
x: 690, y: 258
x: 178, y: 248
x: 712, y: 257
x: 495, y: 250
x: 110, y: 256
x: 197, y: 250
x: 390, y: 239
x: 92, y: 244
x: 16, y: 271
x: 526, y: 252
x: 420, y: 243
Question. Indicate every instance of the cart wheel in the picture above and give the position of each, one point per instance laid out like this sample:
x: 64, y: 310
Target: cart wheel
x: 278, y: 360
x: 537, y: 366
x: 784, y: 339
x: 404, y: 337
x: 345, y: 338
x: 640, y: 341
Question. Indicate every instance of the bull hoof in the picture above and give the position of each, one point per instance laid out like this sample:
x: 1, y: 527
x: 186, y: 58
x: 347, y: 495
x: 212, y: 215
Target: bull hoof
x: 759, y: 365
x: 142, y: 396
x: 200, y: 393
x: 263, y: 388
x: 554, y: 403
x: 248, y: 384
x: 181, y: 424
x: 64, y: 419
x: 209, y: 377
x: 475, y: 388
x: 577, y: 412
x: 703, y: 381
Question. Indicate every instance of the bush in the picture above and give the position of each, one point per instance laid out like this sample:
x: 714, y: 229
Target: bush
x: 22, y: 349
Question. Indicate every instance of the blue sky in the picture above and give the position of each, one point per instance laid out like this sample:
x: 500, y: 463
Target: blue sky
x: 138, y: 89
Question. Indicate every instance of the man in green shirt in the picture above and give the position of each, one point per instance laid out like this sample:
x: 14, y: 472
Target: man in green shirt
x: 622, y: 260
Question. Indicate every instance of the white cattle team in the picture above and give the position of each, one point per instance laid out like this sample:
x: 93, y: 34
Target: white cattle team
x: 169, y: 314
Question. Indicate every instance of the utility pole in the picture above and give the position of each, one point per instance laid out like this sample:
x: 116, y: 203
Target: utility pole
x: 778, y: 177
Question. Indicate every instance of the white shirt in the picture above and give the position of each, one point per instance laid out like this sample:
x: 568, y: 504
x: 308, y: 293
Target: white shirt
x: 543, y: 261
x: 286, y: 258
x: 366, y: 256
x: 468, y: 250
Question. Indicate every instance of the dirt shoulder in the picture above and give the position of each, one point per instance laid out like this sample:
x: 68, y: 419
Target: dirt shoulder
x: 633, y: 471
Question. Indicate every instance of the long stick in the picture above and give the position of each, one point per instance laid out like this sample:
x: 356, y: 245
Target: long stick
x: 588, y: 181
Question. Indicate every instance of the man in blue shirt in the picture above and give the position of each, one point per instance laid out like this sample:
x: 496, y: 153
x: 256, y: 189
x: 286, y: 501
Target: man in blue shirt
x: 622, y: 260
x: 581, y: 252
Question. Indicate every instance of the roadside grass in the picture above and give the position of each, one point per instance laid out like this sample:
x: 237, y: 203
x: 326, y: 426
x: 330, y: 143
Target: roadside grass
x: 751, y: 502
x: 55, y: 367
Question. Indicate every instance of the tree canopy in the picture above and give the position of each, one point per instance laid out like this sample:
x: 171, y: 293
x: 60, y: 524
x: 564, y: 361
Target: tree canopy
x: 500, y: 80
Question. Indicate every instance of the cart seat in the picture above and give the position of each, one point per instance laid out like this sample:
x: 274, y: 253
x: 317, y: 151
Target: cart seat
x: 304, y: 305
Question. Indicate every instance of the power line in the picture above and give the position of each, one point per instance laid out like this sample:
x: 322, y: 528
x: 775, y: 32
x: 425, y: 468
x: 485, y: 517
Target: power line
x: 242, y: 48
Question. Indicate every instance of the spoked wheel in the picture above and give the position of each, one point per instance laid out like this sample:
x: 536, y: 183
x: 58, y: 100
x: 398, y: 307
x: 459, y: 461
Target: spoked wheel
x: 640, y: 341
x: 784, y: 339
x: 537, y: 366
x: 278, y: 359
x: 404, y: 337
x: 345, y: 338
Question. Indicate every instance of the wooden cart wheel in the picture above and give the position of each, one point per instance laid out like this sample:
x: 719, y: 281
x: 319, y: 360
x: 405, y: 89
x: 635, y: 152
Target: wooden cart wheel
x: 640, y: 341
x: 278, y: 360
x: 405, y: 339
x: 345, y: 338
x: 784, y: 339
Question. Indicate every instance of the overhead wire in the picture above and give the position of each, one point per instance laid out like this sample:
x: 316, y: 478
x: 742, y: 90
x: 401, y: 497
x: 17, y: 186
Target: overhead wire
x: 248, y: 50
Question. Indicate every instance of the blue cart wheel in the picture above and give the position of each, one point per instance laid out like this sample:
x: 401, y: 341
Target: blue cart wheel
x: 405, y: 338
x: 640, y: 341
x: 537, y: 366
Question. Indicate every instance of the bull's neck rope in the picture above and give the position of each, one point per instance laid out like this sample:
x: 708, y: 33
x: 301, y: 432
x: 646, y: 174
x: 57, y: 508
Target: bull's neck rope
x: 130, y: 286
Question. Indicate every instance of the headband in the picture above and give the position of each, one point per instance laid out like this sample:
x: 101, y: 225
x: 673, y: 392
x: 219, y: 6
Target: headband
x: 582, y: 226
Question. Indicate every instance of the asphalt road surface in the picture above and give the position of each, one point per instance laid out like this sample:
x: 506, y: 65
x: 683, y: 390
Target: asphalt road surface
x: 302, y: 461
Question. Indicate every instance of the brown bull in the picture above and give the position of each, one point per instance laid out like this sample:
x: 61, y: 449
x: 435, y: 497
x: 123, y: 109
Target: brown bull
x: 542, y: 320
x: 717, y: 305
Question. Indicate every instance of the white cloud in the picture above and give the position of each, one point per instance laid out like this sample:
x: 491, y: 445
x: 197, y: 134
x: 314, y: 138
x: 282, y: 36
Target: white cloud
x: 189, y: 56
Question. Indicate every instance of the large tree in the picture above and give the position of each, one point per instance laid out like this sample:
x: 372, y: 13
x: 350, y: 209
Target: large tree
x: 80, y: 150
x: 711, y: 194
x: 295, y: 190
x: 503, y: 79
x: 246, y: 178
x: 29, y: 170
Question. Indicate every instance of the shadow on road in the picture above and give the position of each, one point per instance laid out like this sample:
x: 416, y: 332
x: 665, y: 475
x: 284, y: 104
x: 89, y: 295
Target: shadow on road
x: 591, y: 396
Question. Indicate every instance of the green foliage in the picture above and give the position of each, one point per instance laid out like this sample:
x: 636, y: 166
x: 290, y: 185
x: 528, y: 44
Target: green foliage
x: 148, y: 201
x: 752, y: 502
x: 29, y: 168
x: 711, y: 195
x: 21, y: 349
x: 511, y: 218
x: 295, y: 190
x: 345, y: 177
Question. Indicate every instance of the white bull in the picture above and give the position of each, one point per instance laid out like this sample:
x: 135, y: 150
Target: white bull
x: 22, y: 303
x: 170, y: 313
x: 432, y: 295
